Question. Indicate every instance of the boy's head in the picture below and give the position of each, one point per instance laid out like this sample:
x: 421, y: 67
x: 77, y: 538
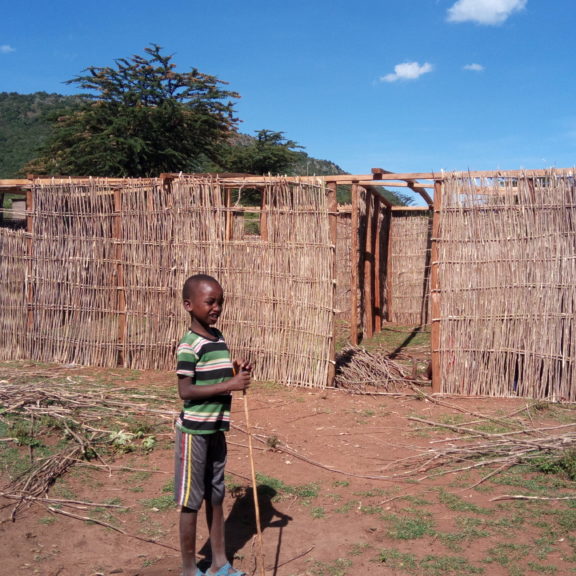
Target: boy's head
x: 203, y: 298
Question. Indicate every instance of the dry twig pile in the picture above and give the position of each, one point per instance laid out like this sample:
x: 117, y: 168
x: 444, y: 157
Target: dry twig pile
x: 94, y: 419
x: 358, y: 370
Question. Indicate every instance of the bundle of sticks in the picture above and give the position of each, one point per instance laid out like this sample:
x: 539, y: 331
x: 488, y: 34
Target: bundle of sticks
x: 358, y: 370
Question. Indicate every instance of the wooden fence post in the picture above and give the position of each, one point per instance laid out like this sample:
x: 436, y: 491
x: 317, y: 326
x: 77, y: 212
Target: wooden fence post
x: 228, y: 216
x: 333, y: 231
x: 354, y: 266
x: 435, y: 301
x: 369, y: 266
x: 30, y: 255
x: 264, y: 214
x: 377, y: 268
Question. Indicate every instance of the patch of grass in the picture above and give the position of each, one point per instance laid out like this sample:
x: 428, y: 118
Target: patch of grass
x: 563, y: 464
x: 537, y: 483
x: 318, y: 512
x: 410, y: 528
x: 339, y: 567
x: 535, y: 567
x: 376, y: 493
x: 359, y: 549
x: 397, y: 560
x: 457, y: 504
x: 13, y: 461
x: 545, y: 545
x: 391, y: 339
x: 150, y: 528
x: 346, y: 507
x: 341, y: 483
x: 371, y: 509
x: 506, y: 553
x: 440, y: 565
x: 160, y: 503
x: 566, y: 519
x: 304, y: 492
x: 430, y: 565
x: 468, y: 530
x: 416, y: 500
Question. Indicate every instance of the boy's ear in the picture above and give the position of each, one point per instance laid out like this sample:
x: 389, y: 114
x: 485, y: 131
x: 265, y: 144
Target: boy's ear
x: 187, y: 305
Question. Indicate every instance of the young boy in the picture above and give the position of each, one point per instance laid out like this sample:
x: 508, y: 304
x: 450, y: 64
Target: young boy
x: 206, y: 376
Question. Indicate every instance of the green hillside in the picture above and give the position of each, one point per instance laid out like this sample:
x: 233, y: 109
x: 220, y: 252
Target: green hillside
x: 24, y: 127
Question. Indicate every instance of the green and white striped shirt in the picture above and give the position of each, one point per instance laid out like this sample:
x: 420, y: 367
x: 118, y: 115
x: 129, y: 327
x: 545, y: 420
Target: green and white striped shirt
x: 205, y: 362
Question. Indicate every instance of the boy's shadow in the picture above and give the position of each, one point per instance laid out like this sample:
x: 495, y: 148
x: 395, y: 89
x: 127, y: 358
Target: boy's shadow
x: 240, y: 526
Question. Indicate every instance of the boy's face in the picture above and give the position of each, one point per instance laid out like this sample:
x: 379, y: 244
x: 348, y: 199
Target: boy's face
x: 204, y: 303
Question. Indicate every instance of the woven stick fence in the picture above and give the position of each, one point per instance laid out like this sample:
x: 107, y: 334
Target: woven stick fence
x: 409, y: 268
x: 13, y: 287
x: 507, y: 272
x: 105, y: 263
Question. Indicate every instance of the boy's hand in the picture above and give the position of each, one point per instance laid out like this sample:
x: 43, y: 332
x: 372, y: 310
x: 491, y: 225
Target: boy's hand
x: 242, y: 365
x: 241, y: 381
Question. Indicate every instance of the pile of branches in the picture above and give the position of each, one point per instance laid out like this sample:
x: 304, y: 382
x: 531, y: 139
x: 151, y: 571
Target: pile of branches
x: 93, y: 418
x: 358, y: 370
x: 472, y: 448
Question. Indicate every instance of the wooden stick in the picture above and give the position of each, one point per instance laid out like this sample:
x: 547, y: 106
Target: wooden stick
x: 262, y: 569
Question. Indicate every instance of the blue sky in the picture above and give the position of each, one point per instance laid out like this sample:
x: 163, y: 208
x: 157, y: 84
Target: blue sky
x: 406, y: 85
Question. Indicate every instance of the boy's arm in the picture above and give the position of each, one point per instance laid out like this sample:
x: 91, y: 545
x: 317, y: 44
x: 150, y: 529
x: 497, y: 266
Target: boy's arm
x: 190, y: 391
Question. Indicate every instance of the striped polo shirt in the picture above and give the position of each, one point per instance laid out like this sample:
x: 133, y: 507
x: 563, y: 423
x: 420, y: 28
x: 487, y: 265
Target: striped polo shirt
x: 205, y: 362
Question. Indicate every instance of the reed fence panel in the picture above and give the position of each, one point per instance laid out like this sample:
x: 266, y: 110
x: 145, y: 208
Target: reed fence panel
x: 98, y: 280
x: 14, y: 283
x: 409, y: 268
x: 507, y: 272
x: 74, y: 308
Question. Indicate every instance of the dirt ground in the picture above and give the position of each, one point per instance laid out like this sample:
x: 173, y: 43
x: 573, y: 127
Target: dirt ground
x: 330, y: 503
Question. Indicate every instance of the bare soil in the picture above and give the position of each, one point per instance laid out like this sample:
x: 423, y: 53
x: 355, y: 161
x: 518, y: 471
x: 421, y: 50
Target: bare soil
x: 336, y: 508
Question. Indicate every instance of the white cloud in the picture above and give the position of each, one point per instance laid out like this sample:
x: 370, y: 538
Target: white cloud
x: 474, y: 67
x: 490, y: 12
x: 6, y: 49
x: 407, y: 71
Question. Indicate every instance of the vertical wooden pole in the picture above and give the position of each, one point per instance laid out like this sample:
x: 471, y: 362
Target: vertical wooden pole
x: 264, y: 214
x: 120, y: 288
x: 368, y: 267
x: 377, y: 269
x: 389, y: 270
x: 354, y: 266
x: 435, y: 302
x: 31, y: 266
x: 333, y: 231
x: 228, y: 215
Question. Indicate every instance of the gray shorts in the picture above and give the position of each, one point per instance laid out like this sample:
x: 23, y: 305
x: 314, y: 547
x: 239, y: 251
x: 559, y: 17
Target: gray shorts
x: 199, y: 469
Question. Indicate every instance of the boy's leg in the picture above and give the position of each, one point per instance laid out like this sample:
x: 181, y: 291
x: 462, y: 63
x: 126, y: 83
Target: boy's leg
x: 188, y: 521
x: 214, y: 501
x: 190, y: 463
x: 215, y: 521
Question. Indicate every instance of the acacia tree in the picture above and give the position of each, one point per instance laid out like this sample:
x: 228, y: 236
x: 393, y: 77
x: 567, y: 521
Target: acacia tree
x: 140, y: 118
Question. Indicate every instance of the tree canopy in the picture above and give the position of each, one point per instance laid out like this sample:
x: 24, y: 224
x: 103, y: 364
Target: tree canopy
x: 268, y: 152
x: 140, y: 118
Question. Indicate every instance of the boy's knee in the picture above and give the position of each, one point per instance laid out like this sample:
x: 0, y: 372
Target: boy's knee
x: 186, y: 510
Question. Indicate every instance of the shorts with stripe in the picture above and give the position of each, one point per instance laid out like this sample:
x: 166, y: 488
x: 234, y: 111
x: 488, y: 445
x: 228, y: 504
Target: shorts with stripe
x: 199, y: 468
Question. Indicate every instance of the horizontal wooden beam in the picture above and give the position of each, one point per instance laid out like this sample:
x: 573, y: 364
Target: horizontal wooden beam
x: 411, y: 208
